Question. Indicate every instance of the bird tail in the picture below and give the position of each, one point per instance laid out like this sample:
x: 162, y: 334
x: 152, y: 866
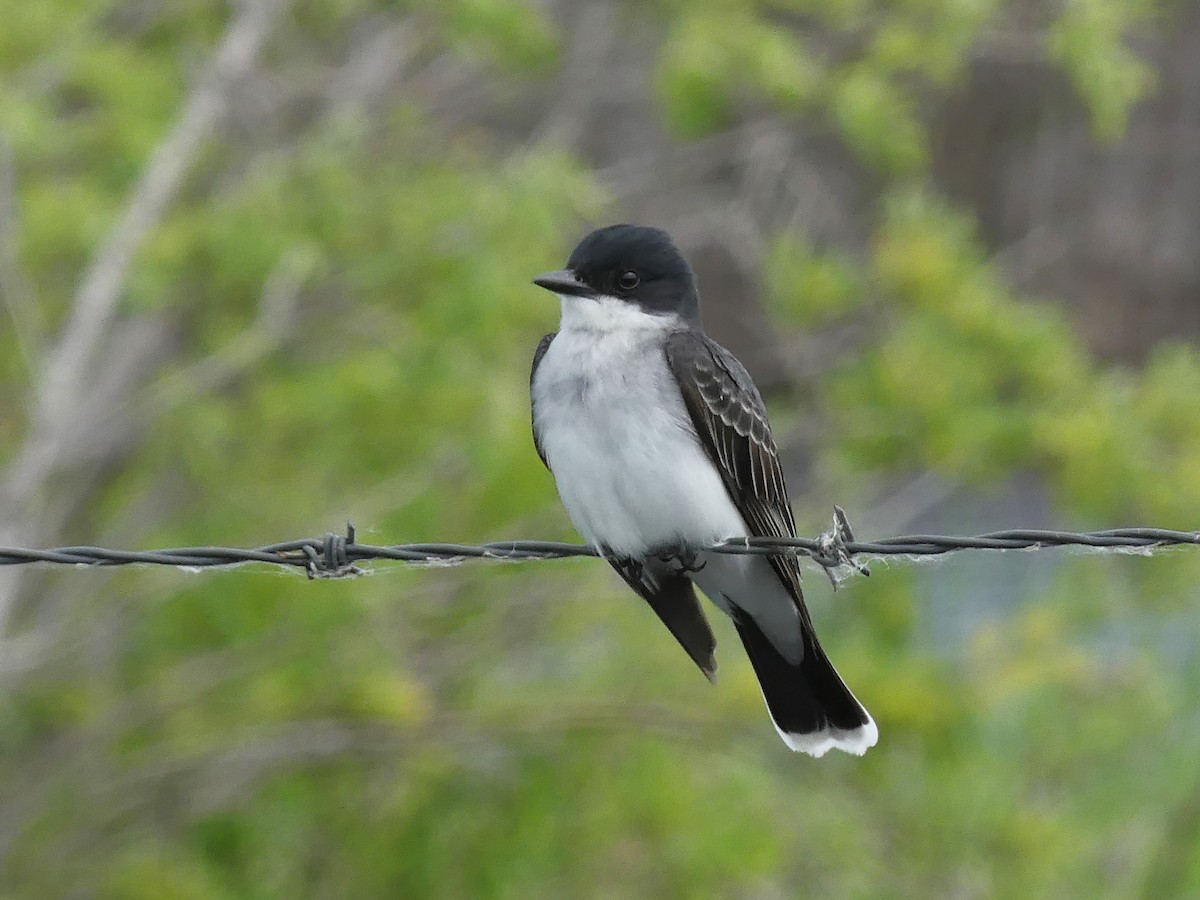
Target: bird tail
x: 811, y: 706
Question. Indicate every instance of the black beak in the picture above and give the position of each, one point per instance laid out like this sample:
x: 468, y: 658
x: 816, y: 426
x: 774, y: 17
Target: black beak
x: 564, y: 282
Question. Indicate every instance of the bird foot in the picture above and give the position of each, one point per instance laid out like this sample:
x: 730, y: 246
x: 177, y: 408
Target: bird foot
x: 683, y: 560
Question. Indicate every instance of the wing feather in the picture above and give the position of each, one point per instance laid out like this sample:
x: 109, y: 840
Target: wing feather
x: 542, y: 347
x: 673, y: 599
x: 731, y: 422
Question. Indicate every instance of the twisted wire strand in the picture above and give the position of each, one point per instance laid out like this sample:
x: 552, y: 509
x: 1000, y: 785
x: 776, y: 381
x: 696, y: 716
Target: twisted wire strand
x: 337, y: 555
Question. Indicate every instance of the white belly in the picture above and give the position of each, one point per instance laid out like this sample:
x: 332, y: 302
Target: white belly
x: 629, y: 468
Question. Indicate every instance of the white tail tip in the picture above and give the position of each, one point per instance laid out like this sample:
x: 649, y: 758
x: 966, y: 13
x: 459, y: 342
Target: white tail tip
x: 818, y: 743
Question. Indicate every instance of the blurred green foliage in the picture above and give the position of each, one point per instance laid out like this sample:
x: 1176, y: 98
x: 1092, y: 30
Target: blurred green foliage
x: 515, y: 731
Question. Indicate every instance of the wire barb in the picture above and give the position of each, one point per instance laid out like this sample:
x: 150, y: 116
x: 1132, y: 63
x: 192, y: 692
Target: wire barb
x: 334, y: 559
x: 834, y: 554
x: 337, y: 556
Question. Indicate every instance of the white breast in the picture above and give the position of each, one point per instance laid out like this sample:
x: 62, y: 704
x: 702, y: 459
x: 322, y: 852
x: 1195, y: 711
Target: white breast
x: 611, y: 421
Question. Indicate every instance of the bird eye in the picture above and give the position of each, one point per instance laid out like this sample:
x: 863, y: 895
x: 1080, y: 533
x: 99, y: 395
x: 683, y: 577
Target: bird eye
x: 627, y: 281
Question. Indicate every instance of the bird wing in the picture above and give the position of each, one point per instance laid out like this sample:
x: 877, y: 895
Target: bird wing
x: 673, y: 599
x: 731, y: 423
x: 542, y: 347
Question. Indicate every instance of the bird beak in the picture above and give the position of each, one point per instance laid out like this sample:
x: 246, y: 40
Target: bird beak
x: 564, y: 282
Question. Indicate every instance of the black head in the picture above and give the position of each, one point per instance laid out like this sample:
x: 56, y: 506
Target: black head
x: 634, y: 263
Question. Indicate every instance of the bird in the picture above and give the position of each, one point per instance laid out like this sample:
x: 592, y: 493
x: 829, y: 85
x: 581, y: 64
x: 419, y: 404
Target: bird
x: 660, y: 447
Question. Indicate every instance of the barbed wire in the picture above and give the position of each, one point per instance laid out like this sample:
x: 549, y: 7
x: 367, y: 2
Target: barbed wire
x: 336, y: 556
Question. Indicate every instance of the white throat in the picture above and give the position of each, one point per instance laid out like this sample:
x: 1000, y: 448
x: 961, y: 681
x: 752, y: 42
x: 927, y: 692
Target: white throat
x: 607, y: 314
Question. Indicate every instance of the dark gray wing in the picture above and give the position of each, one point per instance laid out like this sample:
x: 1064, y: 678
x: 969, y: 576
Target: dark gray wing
x: 542, y: 347
x: 673, y: 599
x: 731, y: 422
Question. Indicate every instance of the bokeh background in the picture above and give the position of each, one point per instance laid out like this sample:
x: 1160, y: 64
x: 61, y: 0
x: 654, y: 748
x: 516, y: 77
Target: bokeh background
x: 265, y: 268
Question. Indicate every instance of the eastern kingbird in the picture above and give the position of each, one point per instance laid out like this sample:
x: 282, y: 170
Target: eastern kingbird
x: 660, y: 446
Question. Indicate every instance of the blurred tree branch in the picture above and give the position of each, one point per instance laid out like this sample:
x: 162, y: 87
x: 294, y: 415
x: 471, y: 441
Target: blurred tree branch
x: 16, y: 288
x: 65, y: 414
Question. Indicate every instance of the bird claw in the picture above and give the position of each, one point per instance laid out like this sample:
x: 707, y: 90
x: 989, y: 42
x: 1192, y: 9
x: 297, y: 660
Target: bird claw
x: 684, y: 560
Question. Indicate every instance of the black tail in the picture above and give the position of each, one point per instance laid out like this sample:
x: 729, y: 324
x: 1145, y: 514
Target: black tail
x: 811, y: 706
